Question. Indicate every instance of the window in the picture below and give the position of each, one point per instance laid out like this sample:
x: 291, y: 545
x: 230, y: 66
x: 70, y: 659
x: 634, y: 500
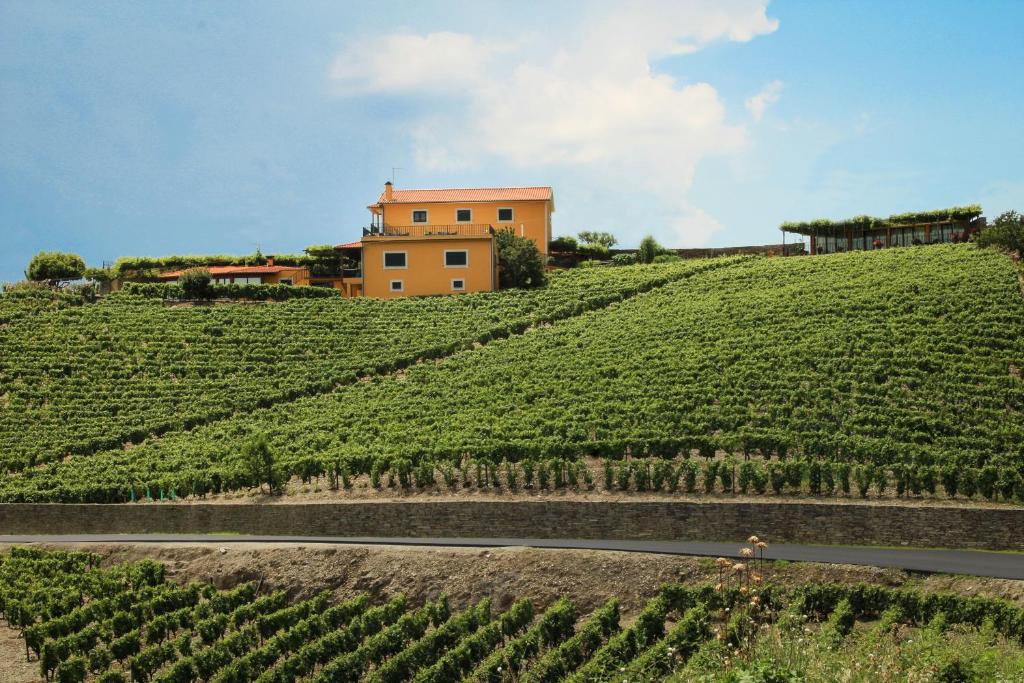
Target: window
x: 458, y: 285
x: 505, y: 215
x: 456, y: 258
x: 285, y: 281
x: 463, y: 215
x: 394, y: 259
x: 419, y: 216
x: 397, y: 286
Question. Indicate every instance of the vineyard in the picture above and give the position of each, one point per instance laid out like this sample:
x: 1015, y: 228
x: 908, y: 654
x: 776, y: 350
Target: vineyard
x: 863, y: 373
x: 84, y: 378
x: 127, y: 622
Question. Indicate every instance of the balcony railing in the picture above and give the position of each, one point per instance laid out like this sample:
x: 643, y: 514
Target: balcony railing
x: 427, y: 230
x: 352, y: 272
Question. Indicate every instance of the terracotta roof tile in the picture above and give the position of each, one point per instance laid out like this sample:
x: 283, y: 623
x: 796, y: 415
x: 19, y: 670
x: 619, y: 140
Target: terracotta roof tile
x: 473, y: 194
x: 349, y: 245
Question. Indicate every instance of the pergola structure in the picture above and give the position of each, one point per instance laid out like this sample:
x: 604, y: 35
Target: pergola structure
x: 955, y: 224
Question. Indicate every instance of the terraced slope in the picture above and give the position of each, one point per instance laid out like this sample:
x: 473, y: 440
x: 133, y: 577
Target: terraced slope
x: 85, y: 378
x: 900, y: 356
x: 127, y: 622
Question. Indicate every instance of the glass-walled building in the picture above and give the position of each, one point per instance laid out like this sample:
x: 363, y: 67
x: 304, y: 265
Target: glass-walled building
x: 862, y: 233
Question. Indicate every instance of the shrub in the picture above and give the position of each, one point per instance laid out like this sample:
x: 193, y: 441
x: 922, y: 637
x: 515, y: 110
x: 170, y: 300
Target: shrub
x: 649, y: 248
x: 520, y: 263
x: 667, y: 258
x: 1006, y: 232
x: 195, y: 283
x: 843, y: 472
x: 564, y: 244
x: 687, y: 471
x: 259, y: 460
x: 55, y: 267
x: 623, y: 259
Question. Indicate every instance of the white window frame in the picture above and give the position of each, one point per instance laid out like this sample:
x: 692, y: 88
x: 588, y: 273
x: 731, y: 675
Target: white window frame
x: 459, y: 289
x: 412, y: 216
x: 401, y: 286
x: 384, y: 260
x: 452, y: 251
x: 464, y: 208
x: 497, y: 215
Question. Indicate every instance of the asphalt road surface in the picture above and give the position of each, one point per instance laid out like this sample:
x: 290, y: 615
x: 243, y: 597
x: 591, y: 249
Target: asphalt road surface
x: 974, y: 562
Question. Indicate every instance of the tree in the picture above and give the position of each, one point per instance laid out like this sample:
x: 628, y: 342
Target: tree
x: 601, y: 239
x: 564, y: 244
x: 258, y: 459
x: 519, y: 261
x: 1006, y: 232
x: 195, y: 283
x: 55, y: 267
x: 649, y: 248
x: 98, y: 274
x: 324, y: 260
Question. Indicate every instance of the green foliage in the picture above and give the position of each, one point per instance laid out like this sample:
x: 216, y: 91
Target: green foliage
x: 1006, y: 232
x: 320, y: 259
x: 259, y: 461
x: 195, y: 283
x: 54, y: 267
x: 520, y: 264
x: 601, y: 239
x: 649, y: 249
x: 824, y: 226
x: 565, y: 244
x: 253, y: 292
x: 623, y: 259
x: 194, y: 365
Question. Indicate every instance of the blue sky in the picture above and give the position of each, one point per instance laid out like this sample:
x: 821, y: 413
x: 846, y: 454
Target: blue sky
x: 156, y: 128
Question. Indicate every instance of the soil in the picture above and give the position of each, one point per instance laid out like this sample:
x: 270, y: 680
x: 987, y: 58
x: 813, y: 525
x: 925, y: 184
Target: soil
x: 588, y: 577
x: 13, y: 667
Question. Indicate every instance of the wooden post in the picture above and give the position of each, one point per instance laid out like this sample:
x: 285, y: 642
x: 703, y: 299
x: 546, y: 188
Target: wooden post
x: 849, y: 240
x: 888, y: 237
x: 814, y: 248
x: 928, y: 233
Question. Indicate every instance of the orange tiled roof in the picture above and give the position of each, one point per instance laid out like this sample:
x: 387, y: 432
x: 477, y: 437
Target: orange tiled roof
x: 349, y: 245
x: 471, y: 194
x: 236, y: 270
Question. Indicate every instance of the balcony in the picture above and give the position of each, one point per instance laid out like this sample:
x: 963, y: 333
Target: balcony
x: 428, y: 230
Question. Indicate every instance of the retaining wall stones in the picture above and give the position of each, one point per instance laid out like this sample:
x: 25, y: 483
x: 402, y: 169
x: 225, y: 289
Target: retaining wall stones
x: 853, y: 524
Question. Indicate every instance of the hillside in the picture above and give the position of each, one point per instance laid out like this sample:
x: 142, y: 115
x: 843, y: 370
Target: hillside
x: 84, y: 378
x: 903, y: 356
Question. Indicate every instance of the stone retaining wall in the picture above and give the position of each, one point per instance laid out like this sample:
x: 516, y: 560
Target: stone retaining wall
x: 925, y: 526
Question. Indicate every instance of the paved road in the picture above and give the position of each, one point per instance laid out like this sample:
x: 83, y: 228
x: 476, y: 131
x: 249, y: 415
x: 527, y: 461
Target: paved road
x: 974, y: 562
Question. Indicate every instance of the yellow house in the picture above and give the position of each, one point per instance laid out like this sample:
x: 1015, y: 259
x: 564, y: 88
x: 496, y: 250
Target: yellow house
x: 441, y: 241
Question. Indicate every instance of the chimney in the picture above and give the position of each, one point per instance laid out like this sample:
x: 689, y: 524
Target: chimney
x: 387, y: 191
x: 270, y: 260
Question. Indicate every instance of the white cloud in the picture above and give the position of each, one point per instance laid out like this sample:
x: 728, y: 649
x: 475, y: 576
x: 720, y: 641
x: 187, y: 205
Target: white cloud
x: 584, y: 103
x: 769, y: 94
x: 405, y: 62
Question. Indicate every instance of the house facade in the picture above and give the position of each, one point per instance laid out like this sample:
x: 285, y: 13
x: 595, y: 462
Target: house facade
x: 441, y: 241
